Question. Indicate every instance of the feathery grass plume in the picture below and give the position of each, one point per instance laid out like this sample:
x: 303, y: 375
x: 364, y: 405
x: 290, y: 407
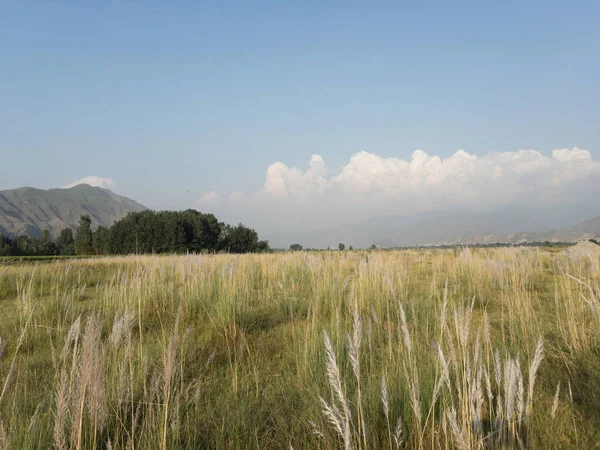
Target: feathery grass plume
x: 354, y: 343
x: 462, y: 322
x: 122, y: 326
x: 354, y: 358
x: 2, y: 348
x: 92, y: 370
x: 533, y: 369
x: 414, y: 395
x: 34, y: 418
x: 520, y: 396
x: 340, y: 419
x: 385, y: 398
x: 72, y: 336
x: 211, y: 357
x: 510, y: 387
x: 570, y: 393
x: 315, y: 429
x: 61, y: 411
x: 89, y: 390
x: 374, y: 316
x: 477, y: 401
x: 345, y: 285
x: 334, y: 416
x: 398, y: 439
x: 555, y: 403
x: 357, y: 328
x: 458, y: 434
x: 444, y: 312
x: 405, y: 332
x: 497, y: 368
x: 333, y: 373
x: 488, y: 383
x: 445, y: 370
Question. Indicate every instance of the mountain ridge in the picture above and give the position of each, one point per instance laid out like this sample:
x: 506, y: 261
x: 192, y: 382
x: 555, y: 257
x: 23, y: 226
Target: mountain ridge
x: 28, y: 210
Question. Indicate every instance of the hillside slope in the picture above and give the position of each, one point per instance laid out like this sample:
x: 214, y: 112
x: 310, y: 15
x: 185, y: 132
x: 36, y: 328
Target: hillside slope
x: 29, y: 211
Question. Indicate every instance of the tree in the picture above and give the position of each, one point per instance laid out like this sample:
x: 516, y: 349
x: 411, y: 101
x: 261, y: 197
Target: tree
x: 341, y: 246
x: 241, y: 239
x: 65, y: 243
x: 7, y: 246
x: 263, y: 247
x: 350, y: 248
x: 83, y: 238
x: 45, y: 245
x: 295, y: 247
x: 100, y: 241
x: 373, y: 247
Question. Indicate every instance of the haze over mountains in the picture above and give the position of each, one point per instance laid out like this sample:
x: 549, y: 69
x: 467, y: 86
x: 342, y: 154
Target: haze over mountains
x: 29, y: 211
x: 510, y: 224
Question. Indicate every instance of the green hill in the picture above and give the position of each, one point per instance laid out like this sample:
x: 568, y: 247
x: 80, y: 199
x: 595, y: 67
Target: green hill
x: 29, y: 211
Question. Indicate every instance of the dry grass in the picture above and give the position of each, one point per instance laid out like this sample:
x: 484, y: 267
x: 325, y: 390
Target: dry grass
x: 356, y: 350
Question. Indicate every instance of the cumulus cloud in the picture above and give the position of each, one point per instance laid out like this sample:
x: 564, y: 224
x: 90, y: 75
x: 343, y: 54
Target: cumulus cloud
x: 92, y: 180
x: 371, y: 185
x: 211, y: 198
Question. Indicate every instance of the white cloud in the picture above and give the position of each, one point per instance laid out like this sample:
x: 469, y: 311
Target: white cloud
x: 211, y: 198
x: 371, y: 185
x: 571, y: 155
x: 92, y: 180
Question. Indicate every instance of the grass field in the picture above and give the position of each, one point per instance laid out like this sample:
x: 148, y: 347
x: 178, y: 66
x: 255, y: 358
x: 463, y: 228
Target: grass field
x: 487, y: 348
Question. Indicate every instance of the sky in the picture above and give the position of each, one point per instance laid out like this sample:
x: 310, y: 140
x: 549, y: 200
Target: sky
x: 304, y: 114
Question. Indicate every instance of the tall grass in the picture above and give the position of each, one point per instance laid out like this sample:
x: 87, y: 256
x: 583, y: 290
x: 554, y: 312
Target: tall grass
x: 355, y: 350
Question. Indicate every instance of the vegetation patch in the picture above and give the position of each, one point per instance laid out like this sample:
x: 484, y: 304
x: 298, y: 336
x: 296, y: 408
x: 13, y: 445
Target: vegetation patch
x: 490, y: 348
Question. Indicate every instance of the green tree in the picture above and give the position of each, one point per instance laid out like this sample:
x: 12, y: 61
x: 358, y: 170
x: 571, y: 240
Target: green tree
x: 100, y: 240
x: 295, y: 247
x: 7, y: 246
x: 83, y: 237
x: 65, y: 243
x: 45, y: 246
x: 239, y: 239
x: 341, y: 246
x: 263, y: 247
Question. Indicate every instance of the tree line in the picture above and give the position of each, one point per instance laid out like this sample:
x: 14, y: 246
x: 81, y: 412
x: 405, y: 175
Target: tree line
x: 141, y: 232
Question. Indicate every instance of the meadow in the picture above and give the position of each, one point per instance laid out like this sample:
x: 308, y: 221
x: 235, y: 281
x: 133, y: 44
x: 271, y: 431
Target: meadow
x: 443, y: 349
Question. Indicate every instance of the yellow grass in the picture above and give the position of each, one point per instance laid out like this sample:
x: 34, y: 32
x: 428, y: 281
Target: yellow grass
x: 366, y: 349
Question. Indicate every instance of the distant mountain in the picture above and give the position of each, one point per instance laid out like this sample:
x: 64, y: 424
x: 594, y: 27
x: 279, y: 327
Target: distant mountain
x: 511, y: 225
x: 585, y: 230
x: 29, y: 211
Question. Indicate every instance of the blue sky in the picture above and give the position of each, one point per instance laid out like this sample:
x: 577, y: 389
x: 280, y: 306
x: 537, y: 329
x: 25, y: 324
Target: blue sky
x: 164, y: 97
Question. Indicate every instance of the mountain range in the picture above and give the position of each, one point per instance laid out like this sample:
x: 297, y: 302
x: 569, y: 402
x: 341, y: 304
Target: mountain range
x: 507, y: 225
x: 29, y: 211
